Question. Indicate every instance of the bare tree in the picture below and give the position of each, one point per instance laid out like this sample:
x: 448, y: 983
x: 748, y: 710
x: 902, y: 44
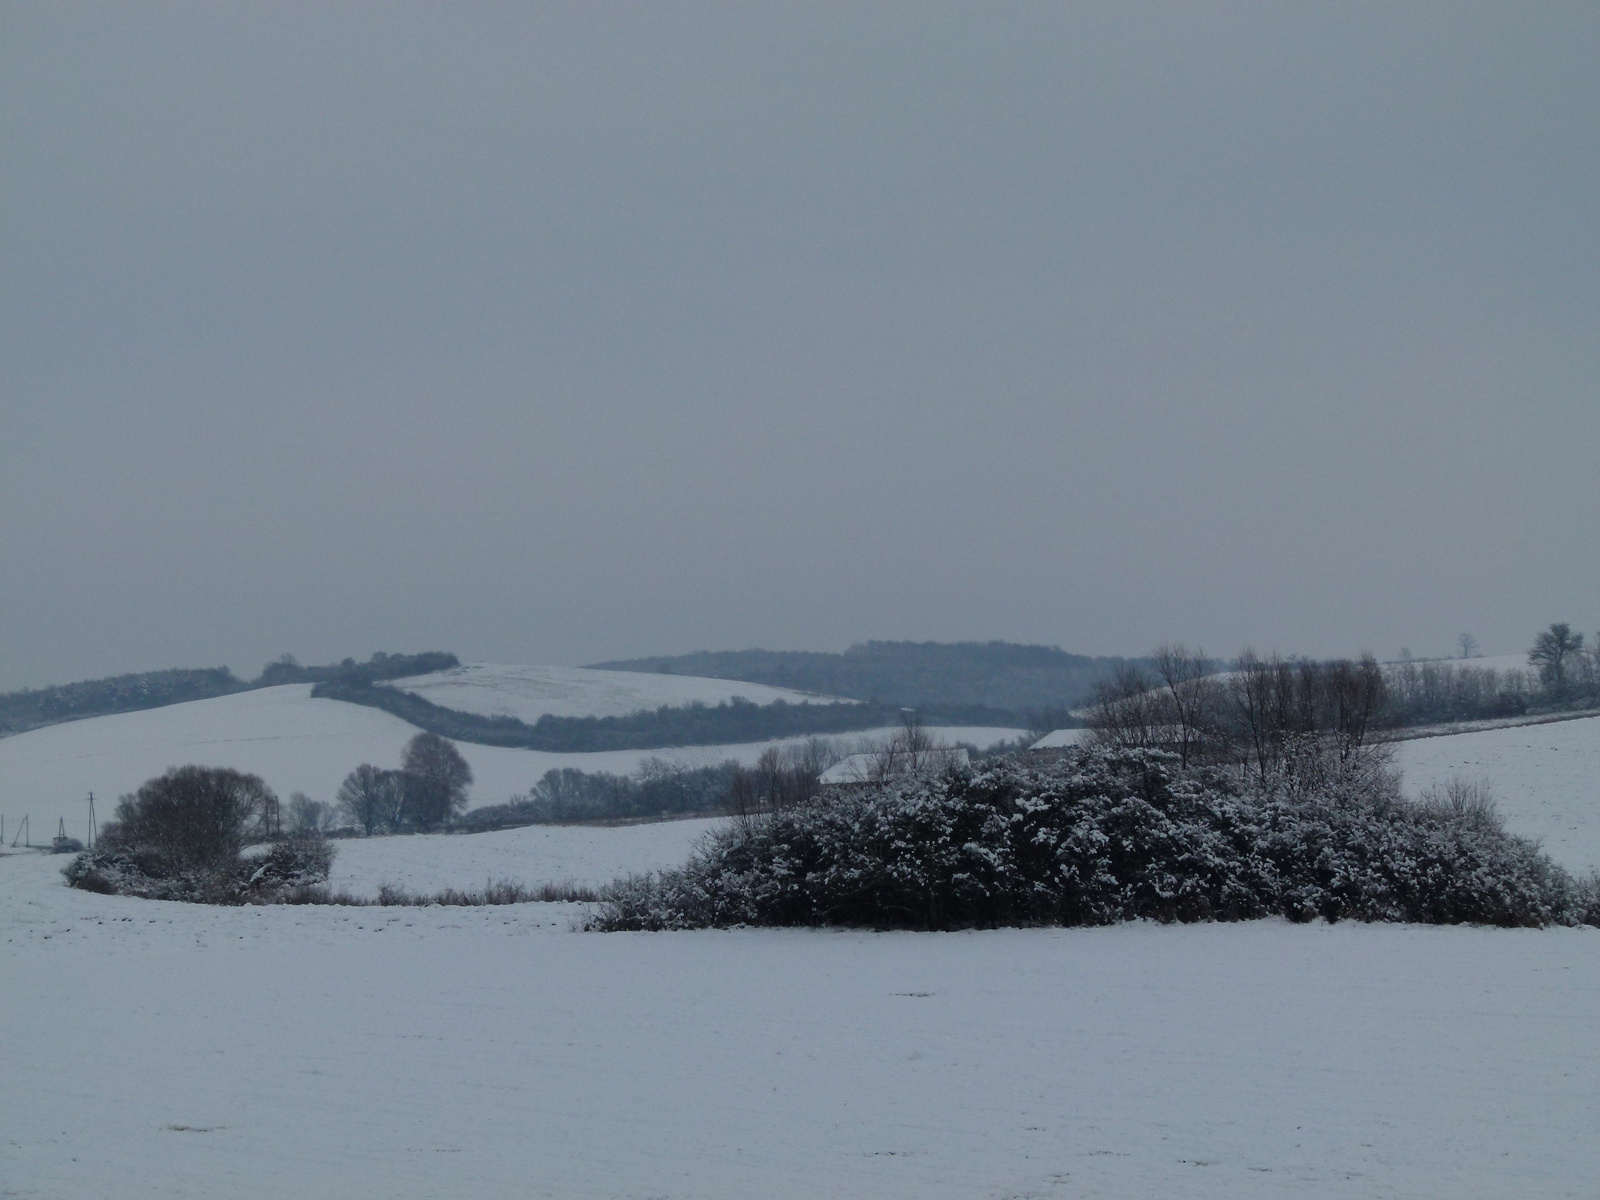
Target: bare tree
x: 193, y: 816
x: 1550, y: 654
x: 370, y: 798
x: 1251, y: 698
x: 1191, y: 694
x: 307, y: 815
x: 436, y: 780
x: 1356, y: 691
x: 780, y: 780
x: 1125, y: 711
x: 1308, y: 697
x: 812, y: 757
x: 1468, y: 644
x: 908, y: 751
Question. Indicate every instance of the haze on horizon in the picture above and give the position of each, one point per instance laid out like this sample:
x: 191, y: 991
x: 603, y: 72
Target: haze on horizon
x: 581, y: 332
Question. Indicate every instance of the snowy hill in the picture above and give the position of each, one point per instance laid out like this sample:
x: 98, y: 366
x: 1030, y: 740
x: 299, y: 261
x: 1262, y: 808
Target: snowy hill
x: 528, y: 693
x: 1546, y: 777
x: 292, y: 740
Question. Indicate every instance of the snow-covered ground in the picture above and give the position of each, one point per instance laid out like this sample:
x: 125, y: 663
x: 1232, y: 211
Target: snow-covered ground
x: 294, y: 742
x: 1546, y: 778
x: 159, y: 1050
x: 533, y: 854
x: 528, y: 693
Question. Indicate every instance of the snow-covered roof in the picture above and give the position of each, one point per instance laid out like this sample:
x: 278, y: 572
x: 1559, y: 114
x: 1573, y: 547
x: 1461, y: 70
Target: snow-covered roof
x: 1059, y: 739
x: 863, y: 768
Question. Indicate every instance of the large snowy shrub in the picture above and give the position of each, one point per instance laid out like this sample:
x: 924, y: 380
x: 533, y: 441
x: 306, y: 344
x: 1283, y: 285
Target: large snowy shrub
x: 1104, y: 836
x: 179, y: 837
x: 191, y: 818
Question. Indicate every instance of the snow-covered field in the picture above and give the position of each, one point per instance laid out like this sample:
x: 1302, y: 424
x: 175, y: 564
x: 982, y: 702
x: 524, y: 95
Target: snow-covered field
x: 159, y: 1050
x: 533, y: 854
x: 1546, y: 778
x: 165, y: 1050
x: 168, y: 1050
x: 528, y: 693
x: 294, y: 742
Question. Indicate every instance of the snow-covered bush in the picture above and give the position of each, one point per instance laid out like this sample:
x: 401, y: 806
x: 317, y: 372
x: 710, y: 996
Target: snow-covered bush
x: 1104, y: 836
x: 296, y: 861
x: 1586, y: 900
x: 118, y: 868
x: 179, y: 837
x: 115, y: 868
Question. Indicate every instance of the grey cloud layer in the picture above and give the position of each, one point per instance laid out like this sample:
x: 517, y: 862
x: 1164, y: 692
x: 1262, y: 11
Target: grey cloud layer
x: 590, y: 331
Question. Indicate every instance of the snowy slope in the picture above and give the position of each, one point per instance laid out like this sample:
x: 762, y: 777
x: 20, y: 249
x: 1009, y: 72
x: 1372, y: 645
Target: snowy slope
x: 163, y: 1050
x: 293, y: 741
x: 528, y: 693
x: 1547, y: 779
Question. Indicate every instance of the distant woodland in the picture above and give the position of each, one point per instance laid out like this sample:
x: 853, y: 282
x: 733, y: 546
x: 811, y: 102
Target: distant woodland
x: 36, y: 707
x: 678, y: 725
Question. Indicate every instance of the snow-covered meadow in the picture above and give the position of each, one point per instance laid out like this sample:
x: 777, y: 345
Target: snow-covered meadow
x: 293, y: 741
x: 1546, y: 779
x: 159, y: 1050
x: 530, y: 692
x: 166, y: 1050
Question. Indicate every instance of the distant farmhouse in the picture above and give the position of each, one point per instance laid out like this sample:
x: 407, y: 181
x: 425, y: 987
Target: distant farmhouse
x: 1060, y: 739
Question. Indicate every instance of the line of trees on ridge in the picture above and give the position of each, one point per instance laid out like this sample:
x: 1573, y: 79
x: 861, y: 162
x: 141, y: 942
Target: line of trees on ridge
x: 1261, y: 705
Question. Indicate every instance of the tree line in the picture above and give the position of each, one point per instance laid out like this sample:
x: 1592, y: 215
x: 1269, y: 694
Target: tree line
x: 732, y: 722
x: 1255, y: 712
x: 1261, y: 706
x: 34, y: 708
x: 181, y: 835
x: 427, y: 791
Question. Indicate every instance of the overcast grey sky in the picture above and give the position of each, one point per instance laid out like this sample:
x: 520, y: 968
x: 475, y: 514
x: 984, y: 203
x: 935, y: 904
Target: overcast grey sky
x: 563, y: 332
